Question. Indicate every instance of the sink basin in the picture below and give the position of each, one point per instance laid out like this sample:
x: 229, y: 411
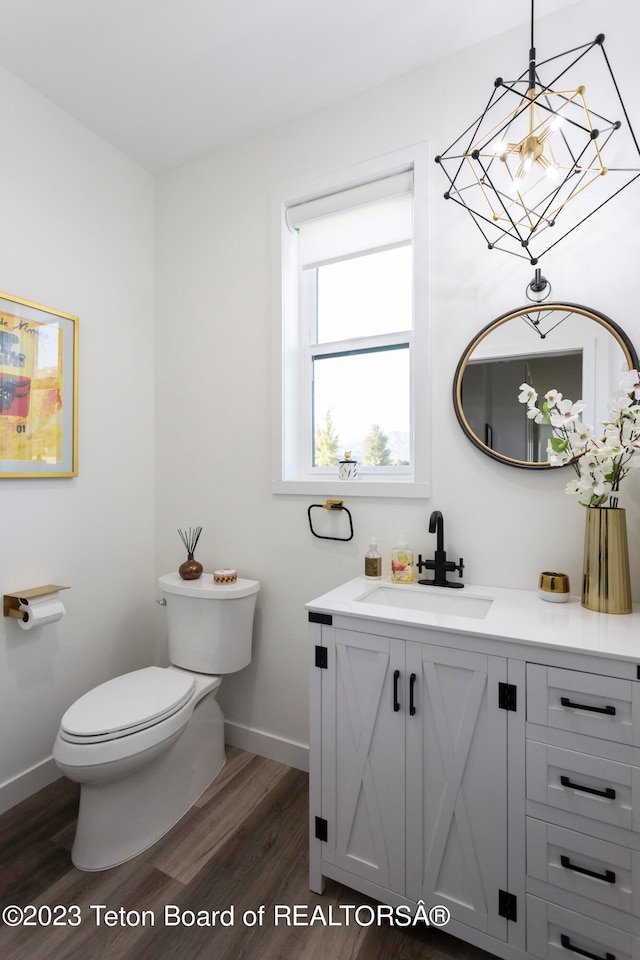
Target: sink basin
x: 429, y: 600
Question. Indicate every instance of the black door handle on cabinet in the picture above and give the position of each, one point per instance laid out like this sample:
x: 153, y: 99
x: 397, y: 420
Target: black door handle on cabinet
x: 609, y: 710
x: 565, y: 941
x: 412, y: 684
x: 608, y: 792
x: 609, y: 876
x: 396, y: 702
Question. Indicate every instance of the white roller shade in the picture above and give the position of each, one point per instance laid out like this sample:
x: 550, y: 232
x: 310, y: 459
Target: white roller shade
x: 371, y: 215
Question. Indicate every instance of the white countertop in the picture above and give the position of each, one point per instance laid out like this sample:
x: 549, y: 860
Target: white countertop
x: 515, y: 615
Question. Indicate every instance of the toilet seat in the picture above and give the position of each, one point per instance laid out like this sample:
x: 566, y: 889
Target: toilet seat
x: 127, y: 705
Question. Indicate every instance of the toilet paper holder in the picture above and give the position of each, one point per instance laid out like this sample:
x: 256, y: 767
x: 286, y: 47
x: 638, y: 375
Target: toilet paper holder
x: 12, y: 601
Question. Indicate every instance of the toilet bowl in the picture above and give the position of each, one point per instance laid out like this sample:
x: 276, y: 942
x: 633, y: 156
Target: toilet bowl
x: 144, y: 746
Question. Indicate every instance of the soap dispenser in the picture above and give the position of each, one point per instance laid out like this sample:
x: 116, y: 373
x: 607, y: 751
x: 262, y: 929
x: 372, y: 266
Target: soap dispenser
x: 402, y: 562
x: 373, y: 561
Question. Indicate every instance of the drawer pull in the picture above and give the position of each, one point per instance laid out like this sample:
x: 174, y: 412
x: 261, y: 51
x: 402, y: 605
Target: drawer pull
x: 396, y: 702
x: 608, y: 792
x: 609, y: 710
x: 609, y: 876
x: 412, y: 703
x: 566, y: 943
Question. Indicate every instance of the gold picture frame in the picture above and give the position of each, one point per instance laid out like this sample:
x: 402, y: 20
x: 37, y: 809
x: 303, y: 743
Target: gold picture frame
x: 38, y: 390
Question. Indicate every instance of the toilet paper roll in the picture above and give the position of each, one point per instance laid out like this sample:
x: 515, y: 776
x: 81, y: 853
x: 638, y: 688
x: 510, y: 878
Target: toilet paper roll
x: 40, y: 610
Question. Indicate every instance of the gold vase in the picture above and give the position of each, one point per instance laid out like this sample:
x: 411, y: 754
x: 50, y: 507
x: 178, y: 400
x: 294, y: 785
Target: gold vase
x: 606, y: 585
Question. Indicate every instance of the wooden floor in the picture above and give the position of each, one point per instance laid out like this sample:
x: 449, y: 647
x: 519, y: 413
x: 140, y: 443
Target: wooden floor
x: 243, y: 845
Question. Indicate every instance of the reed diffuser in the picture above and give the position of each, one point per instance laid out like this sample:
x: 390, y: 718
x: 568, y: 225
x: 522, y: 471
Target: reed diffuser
x: 191, y: 569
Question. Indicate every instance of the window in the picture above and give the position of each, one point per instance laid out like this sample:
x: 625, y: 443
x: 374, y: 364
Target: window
x: 351, y: 341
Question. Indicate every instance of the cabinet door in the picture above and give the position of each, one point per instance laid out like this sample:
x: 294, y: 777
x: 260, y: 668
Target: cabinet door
x: 457, y: 785
x: 363, y: 757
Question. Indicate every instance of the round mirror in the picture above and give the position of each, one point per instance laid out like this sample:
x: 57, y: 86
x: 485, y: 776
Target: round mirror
x: 560, y: 346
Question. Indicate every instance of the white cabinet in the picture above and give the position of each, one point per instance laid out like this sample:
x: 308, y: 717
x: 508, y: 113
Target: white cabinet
x: 363, y: 762
x: 413, y: 783
x: 496, y: 777
x: 456, y: 784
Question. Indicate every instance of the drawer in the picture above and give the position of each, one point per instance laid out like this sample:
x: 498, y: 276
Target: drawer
x: 554, y: 933
x: 603, y: 790
x: 585, y: 866
x: 604, y: 707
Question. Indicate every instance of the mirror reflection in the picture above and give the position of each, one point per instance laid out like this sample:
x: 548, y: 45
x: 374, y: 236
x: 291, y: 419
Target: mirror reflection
x: 565, y: 347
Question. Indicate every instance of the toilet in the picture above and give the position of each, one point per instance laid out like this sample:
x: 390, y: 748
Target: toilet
x: 145, y: 745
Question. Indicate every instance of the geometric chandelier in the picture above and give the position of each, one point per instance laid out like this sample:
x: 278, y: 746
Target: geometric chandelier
x: 543, y: 156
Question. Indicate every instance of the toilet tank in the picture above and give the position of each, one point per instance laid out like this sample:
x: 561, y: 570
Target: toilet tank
x: 210, y: 625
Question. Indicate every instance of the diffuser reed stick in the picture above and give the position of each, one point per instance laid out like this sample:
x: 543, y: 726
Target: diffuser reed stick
x: 190, y: 539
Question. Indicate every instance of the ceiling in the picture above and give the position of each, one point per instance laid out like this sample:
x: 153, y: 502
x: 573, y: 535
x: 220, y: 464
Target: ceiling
x: 167, y: 81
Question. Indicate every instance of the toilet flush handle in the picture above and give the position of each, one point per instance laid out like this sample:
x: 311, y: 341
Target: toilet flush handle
x: 162, y: 601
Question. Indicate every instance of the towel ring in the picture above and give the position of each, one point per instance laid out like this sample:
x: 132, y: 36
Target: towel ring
x: 330, y: 505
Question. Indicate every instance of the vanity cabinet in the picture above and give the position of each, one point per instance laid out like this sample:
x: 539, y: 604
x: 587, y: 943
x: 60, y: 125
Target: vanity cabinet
x: 497, y: 778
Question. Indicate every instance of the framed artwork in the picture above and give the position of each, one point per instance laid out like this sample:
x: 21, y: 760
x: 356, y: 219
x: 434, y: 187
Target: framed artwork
x: 38, y: 390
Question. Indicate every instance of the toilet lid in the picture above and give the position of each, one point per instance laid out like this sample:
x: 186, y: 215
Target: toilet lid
x: 129, y: 703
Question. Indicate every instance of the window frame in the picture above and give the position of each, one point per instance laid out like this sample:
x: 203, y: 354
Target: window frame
x: 292, y: 401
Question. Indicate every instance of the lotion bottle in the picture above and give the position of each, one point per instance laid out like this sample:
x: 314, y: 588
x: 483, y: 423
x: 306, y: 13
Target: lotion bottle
x: 373, y: 561
x: 402, y: 562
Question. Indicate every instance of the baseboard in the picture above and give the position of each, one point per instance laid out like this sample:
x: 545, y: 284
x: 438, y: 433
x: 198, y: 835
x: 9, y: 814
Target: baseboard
x: 265, y: 745
x: 28, y: 783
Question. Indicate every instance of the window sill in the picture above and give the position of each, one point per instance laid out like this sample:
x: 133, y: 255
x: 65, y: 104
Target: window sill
x: 361, y: 487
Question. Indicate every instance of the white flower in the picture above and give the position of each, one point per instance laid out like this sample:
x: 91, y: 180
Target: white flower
x: 618, y: 405
x: 527, y: 394
x: 581, y: 437
x: 589, y: 461
x: 612, y: 446
x: 600, y: 485
x: 581, y: 485
x: 565, y: 412
x: 534, y: 414
x: 596, y: 472
x: 553, y: 397
x: 630, y: 383
x: 558, y: 457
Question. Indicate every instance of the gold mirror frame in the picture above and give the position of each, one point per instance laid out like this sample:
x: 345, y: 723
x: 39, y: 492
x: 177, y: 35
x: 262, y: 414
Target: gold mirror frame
x: 532, y: 309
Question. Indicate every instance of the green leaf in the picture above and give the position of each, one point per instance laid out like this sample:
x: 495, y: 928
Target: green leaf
x: 558, y: 445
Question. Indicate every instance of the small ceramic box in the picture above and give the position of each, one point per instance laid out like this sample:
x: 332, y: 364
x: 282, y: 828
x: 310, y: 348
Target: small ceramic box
x: 554, y: 587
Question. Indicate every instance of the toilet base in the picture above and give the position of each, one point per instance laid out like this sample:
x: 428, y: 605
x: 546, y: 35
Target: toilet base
x: 118, y: 820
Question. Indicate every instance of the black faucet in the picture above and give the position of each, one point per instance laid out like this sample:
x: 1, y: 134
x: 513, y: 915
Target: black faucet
x: 440, y: 565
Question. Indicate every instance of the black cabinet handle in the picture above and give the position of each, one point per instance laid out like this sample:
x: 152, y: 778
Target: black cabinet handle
x: 609, y: 876
x: 566, y: 943
x: 609, y: 710
x: 396, y: 702
x: 412, y: 706
x: 608, y: 792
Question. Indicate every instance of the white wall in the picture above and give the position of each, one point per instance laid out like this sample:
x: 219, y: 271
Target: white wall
x: 214, y: 324
x: 77, y: 235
